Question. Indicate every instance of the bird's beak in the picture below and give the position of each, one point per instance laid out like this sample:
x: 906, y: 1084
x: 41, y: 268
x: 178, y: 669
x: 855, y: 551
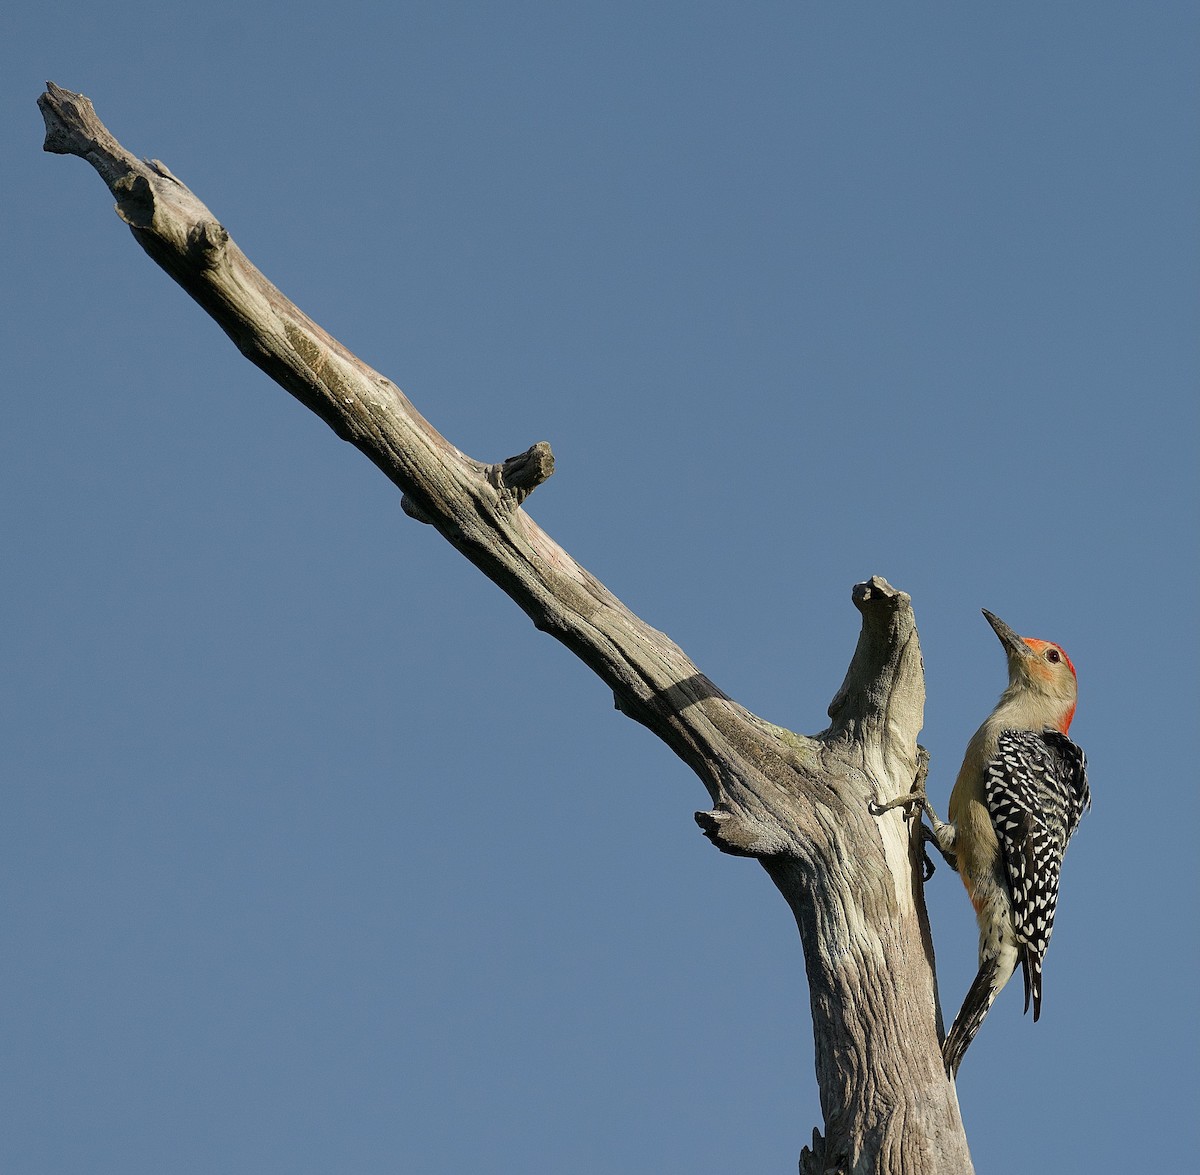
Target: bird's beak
x: 1014, y: 646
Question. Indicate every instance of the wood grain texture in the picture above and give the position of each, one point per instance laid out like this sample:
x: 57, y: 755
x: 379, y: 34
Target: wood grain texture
x: 798, y: 804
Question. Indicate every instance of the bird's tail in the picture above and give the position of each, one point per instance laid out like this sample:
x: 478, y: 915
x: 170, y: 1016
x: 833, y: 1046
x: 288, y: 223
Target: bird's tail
x: 1031, y: 969
x: 980, y: 997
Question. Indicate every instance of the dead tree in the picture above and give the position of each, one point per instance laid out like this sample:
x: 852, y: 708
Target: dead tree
x: 798, y: 804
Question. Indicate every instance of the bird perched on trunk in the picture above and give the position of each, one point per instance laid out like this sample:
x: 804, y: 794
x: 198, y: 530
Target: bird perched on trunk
x: 1019, y: 796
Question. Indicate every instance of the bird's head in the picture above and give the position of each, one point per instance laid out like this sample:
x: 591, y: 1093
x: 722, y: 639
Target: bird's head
x: 1040, y: 667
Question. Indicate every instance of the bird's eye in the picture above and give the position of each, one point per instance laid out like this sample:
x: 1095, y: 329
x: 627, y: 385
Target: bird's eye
x: 1053, y: 656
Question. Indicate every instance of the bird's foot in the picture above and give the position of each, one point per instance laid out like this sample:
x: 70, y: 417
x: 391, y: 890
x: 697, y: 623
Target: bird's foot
x: 916, y: 797
x: 916, y: 802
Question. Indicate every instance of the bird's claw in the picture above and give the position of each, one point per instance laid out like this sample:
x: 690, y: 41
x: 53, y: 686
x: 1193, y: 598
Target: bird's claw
x: 928, y: 868
x: 915, y: 799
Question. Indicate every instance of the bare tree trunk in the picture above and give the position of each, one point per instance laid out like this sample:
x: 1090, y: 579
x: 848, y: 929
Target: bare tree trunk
x: 798, y: 804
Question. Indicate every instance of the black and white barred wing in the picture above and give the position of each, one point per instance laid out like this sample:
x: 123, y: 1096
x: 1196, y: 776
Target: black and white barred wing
x: 1036, y: 791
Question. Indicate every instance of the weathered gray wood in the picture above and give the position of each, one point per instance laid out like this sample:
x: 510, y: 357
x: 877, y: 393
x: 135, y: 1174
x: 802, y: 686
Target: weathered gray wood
x: 798, y: 804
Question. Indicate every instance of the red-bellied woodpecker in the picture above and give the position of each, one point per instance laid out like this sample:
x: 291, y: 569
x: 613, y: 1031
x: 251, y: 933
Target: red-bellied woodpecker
x: 1019, y: 796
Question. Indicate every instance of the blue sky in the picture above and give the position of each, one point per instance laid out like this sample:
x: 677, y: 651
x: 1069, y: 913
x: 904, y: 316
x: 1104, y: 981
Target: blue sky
x: 316, y: 857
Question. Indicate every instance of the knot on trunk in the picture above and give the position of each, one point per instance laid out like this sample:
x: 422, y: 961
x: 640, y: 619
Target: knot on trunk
x: 522, y: 474
x: 742, y: 836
